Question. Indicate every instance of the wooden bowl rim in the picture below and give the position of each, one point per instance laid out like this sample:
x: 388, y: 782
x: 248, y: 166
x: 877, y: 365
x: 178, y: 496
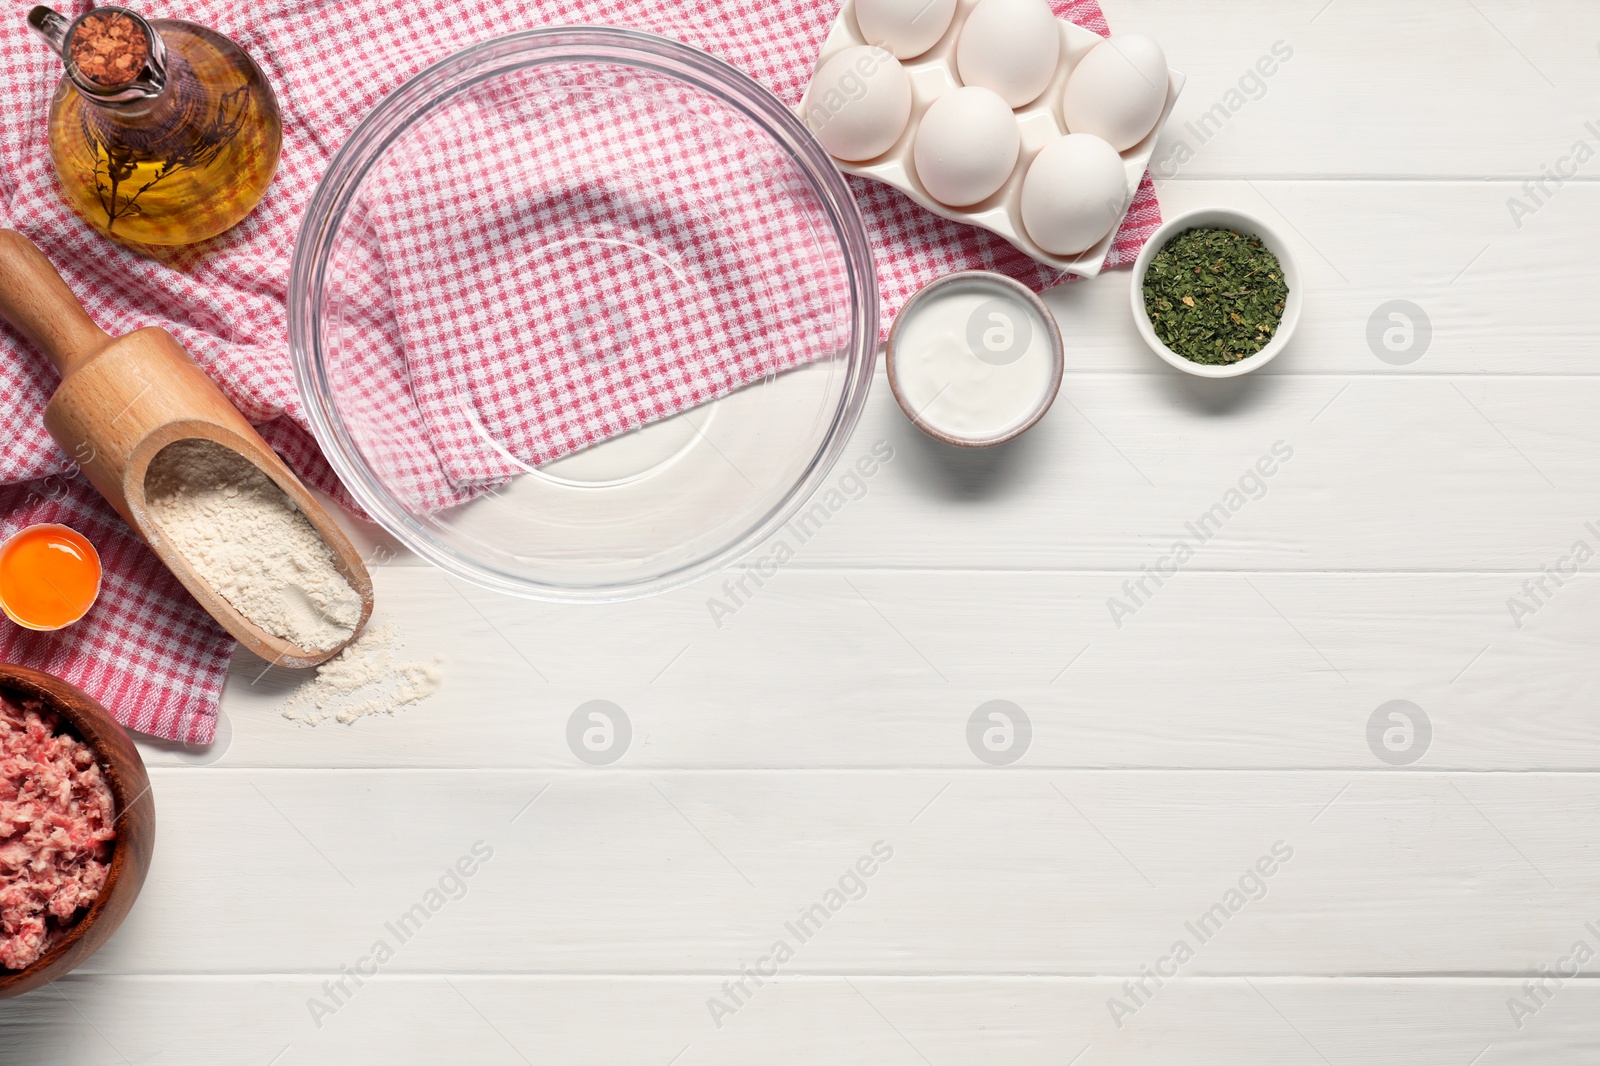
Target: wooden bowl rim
x: 26, y: 680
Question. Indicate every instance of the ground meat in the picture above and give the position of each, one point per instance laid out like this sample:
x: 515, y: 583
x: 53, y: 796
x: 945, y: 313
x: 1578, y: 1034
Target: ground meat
x: 57, y: 825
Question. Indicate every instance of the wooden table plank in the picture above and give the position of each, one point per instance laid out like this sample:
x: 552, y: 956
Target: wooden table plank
x: 870, y: 1021
x: 990, y: 871
x: 883, y: 670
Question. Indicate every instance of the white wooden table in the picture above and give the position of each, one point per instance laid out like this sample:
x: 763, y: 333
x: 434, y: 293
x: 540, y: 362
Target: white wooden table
x: 1410, y: 900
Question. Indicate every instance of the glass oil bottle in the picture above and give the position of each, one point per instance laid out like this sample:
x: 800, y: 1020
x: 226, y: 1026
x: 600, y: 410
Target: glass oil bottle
x: 162, y: 132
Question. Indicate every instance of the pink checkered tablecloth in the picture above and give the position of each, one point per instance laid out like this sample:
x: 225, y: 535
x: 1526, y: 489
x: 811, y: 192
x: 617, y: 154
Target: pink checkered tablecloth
x: 661, y: 255
x: 147, y: 651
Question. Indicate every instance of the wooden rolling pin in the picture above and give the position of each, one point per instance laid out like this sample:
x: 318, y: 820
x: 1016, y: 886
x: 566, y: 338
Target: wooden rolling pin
x: 122, y: 400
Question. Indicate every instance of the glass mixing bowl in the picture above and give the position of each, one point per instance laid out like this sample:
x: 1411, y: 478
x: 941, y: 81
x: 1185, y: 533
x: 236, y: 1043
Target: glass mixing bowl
x: 535, y: 247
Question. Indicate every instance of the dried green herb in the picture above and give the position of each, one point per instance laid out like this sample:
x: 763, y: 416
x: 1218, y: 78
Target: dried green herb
x: 1214, y: 296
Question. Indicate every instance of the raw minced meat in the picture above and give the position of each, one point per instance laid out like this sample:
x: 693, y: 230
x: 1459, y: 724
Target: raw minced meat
x: 57, y: 825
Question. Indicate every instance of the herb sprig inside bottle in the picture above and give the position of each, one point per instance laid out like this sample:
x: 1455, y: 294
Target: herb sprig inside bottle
x: 162, y: 132
x: 1215, y: 296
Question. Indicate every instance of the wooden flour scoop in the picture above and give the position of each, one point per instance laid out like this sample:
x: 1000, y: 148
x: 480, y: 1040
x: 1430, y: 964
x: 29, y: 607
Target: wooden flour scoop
x: 123, y: 400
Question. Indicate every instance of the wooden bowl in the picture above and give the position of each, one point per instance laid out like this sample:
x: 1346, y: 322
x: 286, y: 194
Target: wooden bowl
x: 135, y: 824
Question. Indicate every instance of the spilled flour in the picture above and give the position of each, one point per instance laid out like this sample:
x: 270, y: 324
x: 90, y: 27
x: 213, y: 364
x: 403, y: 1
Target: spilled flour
x: 250, y: 543
x: 364, y: 679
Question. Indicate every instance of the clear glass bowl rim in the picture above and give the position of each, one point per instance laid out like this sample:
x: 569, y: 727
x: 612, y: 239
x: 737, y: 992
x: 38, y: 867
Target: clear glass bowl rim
x: 438, y: 83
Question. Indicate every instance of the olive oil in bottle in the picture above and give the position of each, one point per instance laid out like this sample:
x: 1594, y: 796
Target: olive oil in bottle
x: 162, y: 132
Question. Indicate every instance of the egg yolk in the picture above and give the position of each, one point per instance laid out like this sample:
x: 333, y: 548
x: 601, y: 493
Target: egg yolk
x: 49, y: 577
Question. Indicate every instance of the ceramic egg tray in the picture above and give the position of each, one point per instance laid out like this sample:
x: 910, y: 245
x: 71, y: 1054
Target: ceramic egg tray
x: 933, y: 73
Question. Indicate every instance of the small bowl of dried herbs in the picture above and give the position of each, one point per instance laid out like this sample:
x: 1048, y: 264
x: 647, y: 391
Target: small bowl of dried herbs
x: 1216, y: 293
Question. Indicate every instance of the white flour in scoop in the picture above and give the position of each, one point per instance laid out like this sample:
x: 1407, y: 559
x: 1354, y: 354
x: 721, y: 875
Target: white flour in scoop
x: 250, y: 543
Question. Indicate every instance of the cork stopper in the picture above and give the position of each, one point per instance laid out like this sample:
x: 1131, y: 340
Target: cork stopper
x: 109, y: 48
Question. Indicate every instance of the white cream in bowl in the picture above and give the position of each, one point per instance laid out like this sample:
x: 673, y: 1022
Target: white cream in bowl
x: 974, y: 359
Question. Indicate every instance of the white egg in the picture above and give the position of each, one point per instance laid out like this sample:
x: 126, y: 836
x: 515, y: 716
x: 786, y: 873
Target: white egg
x: 859, y: 103
x: 1074, y: 192
x: 1117, y: 91
x: 907, y: 28
x: 1010, y: 46
x: 966, y: 146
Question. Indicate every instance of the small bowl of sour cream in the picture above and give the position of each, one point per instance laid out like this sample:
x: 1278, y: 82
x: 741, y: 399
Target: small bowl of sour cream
x: 974, y: 359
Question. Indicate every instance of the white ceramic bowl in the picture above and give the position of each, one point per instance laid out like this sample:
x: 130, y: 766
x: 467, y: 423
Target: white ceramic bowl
x: 1019, y: 294
x: 1238, y: 221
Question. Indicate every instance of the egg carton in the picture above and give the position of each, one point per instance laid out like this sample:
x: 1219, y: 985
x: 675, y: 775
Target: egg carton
x: 932, y: 74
